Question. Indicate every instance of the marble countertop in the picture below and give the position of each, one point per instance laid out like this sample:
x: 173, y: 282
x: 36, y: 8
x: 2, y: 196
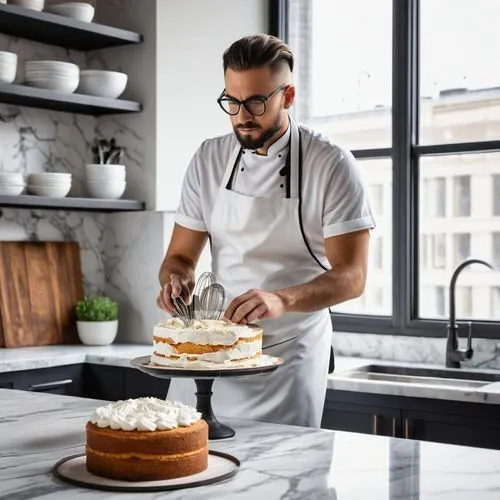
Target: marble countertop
x: 28, y: 358
x: 277, y: 461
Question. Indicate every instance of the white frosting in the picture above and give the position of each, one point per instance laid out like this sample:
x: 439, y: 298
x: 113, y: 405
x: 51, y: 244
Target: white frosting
x: 241, y: 350
x: 207, y: 365
x: 145, y: 414
x: 204, y: 332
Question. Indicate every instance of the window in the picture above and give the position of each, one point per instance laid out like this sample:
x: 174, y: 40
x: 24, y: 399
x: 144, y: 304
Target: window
x: 496, y: 194
x: 495, y: 302
x: 342, y: 78
x: 376, y: 194
x: 496, y: 250
x: 380, y: 263
x: 459, y: 88
x: 461, y: 196
x: 461, y: 248
x: 435, y: 197
x: 377, y: 252
x: 429, y: 145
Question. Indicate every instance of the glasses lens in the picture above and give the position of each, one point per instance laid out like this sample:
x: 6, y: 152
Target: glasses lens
x: 256, y: 106
x: 229, y: 106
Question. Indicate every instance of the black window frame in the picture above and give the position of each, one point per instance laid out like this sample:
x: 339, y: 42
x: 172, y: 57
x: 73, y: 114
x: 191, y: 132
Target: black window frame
x: 405, y: 153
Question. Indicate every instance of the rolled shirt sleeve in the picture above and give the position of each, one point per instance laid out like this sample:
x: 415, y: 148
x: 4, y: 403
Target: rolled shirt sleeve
x: 190, y: 210
x: 346, y: 206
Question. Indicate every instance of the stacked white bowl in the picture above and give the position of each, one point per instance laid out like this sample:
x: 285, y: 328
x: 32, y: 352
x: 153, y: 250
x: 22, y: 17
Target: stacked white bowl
x: 51, y: 184
x: 54, y: 75
x: 29, y: 4
x: 102, y: 83
x: 11, y: 184
x: 8, y: 67
x: 77, y: 10
x: 105, y: 181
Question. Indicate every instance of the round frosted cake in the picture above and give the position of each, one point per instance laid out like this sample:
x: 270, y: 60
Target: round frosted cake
x: 205, y: 344
x: 146, y: 439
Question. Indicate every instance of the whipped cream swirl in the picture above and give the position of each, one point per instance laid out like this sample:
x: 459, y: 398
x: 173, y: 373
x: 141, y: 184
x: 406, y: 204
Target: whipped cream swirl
x: 145, y: 414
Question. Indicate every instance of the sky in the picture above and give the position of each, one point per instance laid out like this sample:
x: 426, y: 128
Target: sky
x: 352, y: 47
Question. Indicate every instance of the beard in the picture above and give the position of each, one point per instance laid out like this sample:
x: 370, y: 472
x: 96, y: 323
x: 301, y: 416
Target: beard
x: 248, y: 142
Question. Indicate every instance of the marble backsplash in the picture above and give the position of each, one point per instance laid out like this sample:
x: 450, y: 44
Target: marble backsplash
x: 413, y: 349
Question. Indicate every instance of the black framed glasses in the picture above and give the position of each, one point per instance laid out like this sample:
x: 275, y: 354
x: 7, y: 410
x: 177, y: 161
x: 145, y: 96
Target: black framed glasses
x: 255, y: 105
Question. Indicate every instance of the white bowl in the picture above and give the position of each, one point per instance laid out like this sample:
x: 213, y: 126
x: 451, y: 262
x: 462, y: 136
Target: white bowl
x: 11, y: 189
x: 11, y: 178
x: 65, y: 86
x: 50, y: 191
x: 106, y: 189
x: 105, y: 172
x: 29, y: 4
x: 8, y: 67
x: 50, y: 67
x: 50, y: 175
x: 102, y: 83
x: 76, y: 10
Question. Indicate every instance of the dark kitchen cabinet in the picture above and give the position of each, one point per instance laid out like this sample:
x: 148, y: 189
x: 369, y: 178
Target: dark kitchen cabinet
x: 110, y: 383
x: 442, y: 421
x: 66, y: 380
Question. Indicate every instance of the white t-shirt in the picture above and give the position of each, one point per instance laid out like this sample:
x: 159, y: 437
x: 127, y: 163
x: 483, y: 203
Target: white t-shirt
x: 334, y: 200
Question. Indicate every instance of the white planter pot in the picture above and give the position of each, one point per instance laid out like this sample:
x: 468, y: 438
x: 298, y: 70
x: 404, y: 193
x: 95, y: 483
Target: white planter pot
x: 97, y: 332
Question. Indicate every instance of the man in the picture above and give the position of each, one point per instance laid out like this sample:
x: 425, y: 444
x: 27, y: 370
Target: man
x: 288, y: 223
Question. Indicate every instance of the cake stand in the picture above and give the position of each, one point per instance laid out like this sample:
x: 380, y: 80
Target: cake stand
x: 204, y: 380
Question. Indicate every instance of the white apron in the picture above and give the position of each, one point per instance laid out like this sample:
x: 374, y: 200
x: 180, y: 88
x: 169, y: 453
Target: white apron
x: 258, y: 243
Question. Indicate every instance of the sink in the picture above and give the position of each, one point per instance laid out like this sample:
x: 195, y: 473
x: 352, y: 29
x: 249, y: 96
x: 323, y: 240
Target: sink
x: 424, y: 376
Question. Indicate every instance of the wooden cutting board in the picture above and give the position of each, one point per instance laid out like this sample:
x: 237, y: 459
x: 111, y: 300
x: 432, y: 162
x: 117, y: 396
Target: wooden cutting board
x: 40, y: 284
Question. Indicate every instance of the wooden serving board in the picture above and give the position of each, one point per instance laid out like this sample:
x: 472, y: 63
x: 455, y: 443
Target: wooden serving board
x: 40, y: 284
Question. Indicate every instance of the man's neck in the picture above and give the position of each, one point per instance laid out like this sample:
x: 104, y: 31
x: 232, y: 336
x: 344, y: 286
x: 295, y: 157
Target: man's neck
x: 284, y: 126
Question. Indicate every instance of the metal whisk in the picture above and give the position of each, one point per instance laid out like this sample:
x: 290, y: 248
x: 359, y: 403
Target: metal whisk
x: 204, y: 281
x: 212, y: 301
x: 184, y: 311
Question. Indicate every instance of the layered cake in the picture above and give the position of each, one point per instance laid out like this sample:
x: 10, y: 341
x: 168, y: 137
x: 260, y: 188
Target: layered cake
x: 205, y: 344
x: 146, y: 439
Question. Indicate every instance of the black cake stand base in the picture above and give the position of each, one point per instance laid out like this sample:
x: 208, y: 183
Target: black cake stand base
x: 204, y: 380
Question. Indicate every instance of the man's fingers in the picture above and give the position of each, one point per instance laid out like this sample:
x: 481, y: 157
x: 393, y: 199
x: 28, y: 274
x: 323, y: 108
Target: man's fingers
x: 167, y: 297
x: 256, y: 314
x: 175, y: 286
x: 235, y: 303
x: 160, y: 301
x: 245, y: 308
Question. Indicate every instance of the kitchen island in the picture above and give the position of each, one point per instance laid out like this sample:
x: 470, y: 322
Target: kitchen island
x: 277, y: 461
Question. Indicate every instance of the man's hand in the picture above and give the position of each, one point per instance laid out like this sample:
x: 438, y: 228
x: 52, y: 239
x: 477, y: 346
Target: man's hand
x: 176, y: 287
x: 253, y: 305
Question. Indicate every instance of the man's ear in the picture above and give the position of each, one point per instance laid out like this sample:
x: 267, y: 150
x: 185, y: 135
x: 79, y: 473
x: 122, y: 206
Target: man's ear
x: 289, y: 96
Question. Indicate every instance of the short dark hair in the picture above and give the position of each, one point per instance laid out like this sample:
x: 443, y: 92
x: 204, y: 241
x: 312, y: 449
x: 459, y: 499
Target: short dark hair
x: 257, y: 51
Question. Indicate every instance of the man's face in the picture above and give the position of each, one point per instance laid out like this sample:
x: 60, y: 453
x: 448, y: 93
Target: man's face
x: 252, y: 131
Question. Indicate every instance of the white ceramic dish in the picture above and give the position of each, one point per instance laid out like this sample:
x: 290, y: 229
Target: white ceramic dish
x: 102, y: 83
x: 76, y: 10
x: 29, y: 4
x: 50, y: 191
x: 8, y: 67
x: 106, y: 189
x: 11, y: 177
x: 11, y: 189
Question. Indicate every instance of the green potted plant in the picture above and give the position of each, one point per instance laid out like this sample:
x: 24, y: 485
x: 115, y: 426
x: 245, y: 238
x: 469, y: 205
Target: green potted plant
x: 97, y: 320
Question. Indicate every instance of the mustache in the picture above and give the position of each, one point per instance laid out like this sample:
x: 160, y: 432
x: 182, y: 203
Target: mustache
x: 247, y: 125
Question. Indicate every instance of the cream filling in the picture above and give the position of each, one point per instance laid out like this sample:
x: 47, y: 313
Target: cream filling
x: 242, y: 350
x: 204, y: 365
x: 144, y: 456
x: 212, y: 332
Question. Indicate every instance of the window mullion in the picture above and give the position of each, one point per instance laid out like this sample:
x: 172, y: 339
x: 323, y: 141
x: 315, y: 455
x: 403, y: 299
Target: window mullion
x: 402, y: 139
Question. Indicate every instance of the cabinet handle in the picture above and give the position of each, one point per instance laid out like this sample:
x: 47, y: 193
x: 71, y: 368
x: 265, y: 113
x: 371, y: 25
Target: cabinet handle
x: 49, y: 385
x: 375, y: 424
x: 394, y: 426
x: 407, y: 428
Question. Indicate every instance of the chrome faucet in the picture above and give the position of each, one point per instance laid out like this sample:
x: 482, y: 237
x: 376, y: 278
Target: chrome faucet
x: 454, y: 355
